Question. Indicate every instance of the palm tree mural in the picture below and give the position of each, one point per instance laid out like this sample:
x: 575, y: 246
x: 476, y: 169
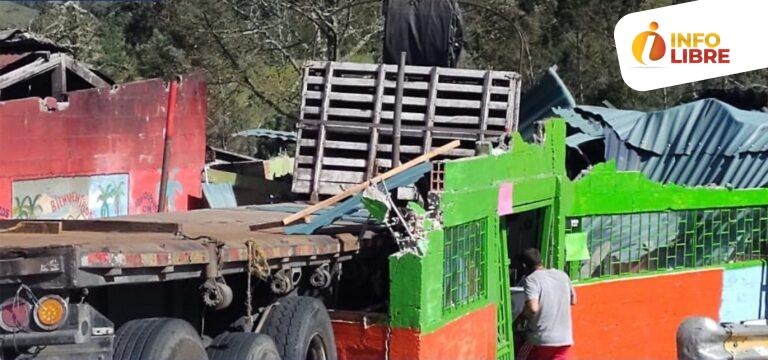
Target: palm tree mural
x: 110, y: 192
x: 27, y: 207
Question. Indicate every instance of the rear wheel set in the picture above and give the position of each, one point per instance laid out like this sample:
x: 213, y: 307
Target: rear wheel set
x: 295, y: 328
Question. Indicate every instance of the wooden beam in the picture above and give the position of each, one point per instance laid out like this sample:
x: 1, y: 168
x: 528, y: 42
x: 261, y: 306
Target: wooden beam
x: 373, y: 142
x: 487, y: 82
x: 84, y: 72
x: 28, y: 71
x: 431, y: 103
x: 59, y: 80
x: 398, y: 110
x: 362, y: 186
x: 320, y: 144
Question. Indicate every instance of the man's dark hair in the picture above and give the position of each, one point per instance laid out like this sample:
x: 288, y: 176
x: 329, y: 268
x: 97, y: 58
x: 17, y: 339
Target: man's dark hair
x: 531, y: 258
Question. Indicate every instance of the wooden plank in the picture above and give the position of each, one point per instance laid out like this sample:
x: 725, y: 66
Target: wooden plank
x: 300, y: 130
x: 30, y: 226
x: 334, y: 161
x: 327, y: 187
x: 408, y: 100
x: 319, y: 149
x: 374, y: 140
x: 513, y: 103
x: 434, y: 77
x: 484, y: 109
x: 85, y: 73
x: 361, y: 186
x: 407, y: 116
x: 59, y: 80
x: 356, y: 126
x: 398, y: 117
x: 410, y: 69
x: 28, y: 71
x: 409, y: 85
x: 351, y: 177
x: 120, y: 226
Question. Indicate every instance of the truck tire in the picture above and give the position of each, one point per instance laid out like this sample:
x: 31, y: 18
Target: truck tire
x: 158, y: 339
x: 301, y: 329
x: 243, y: 346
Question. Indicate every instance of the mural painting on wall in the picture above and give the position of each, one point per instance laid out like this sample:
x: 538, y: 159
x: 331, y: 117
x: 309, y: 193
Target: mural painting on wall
x: 83, y: 197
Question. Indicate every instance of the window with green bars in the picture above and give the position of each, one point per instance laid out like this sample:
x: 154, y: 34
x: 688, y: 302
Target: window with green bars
x: 655, y: 241
x: 464, y: 264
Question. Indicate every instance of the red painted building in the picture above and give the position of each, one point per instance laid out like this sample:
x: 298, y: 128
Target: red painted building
x: 101, y: 152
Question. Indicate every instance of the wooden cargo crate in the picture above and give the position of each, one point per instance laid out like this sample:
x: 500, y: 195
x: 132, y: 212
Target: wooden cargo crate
x: 348, y: 114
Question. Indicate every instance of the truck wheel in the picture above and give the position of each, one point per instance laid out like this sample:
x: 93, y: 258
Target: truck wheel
x: 243, y: 346
x: 158, y: 339
x: 301, y: 329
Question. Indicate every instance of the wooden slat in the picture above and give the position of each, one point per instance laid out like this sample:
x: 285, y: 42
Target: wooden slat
x: 409, y: 85
x: 351, y: 177
x: 85, y: 73
x: 408, y: 100
x: 434, y: 77
x: 317, y: 173
x: 409, y: 70
x: 484, y: 109
x: 28, y: 71
x: 374, y: 140
x: 300, y: 130
x: 407, y: 116
x: 513, y: 104
x: 333, y: 161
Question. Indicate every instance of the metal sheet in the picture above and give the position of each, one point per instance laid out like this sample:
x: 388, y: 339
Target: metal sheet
x: 267, y: 133
x: 706, y: 142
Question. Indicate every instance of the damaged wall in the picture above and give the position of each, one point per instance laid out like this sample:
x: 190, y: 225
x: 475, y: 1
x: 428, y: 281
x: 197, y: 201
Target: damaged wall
x: 477, y: 190
x: 116, y: 133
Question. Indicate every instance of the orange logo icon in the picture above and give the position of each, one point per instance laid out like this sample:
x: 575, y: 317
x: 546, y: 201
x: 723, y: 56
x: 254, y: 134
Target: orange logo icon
x: 658, y: 46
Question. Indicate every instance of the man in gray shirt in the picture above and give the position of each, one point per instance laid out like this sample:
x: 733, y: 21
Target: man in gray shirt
x: 549, y: 295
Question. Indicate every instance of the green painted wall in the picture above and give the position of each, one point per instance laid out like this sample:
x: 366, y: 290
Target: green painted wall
x: 471, y: 193
x: 608, y: 191
x: 537, y: 172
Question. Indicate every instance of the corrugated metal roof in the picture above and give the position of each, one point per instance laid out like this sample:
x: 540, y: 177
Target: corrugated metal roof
x: 15, y: 41
x: 272, y: 134
x: 537, y: 102
x: 706, y: 142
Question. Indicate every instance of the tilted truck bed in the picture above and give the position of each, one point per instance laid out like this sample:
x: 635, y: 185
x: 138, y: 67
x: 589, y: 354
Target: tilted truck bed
x: 159, y: 247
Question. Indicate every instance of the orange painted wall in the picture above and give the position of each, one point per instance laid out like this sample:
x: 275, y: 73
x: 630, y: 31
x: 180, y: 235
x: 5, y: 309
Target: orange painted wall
x: 638, y: 318
x: 472, y: 336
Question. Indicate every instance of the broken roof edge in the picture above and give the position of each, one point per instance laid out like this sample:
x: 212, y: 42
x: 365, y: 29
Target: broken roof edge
x: 21, y: 41
x: 606, y: 190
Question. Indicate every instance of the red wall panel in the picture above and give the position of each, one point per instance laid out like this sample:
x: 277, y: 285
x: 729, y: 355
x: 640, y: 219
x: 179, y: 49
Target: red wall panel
x: 638, y: 318
x: 107, y: 131
x: 472, y: 336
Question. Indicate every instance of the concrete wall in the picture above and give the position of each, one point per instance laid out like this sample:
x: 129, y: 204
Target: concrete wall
x: 55, y: 157
x: 638, y: 317
x: 743, y: 294
x: 472, y: 336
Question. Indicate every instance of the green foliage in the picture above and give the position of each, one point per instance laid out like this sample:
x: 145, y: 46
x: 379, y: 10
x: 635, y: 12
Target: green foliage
x: 252, y: 50
x: 15, y: 15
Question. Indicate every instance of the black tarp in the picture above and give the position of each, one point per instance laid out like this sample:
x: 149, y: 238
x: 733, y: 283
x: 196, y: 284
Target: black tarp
x: 429, y: 31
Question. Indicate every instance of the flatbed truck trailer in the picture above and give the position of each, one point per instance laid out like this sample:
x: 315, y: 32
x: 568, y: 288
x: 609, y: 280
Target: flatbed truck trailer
x: 146, y: 272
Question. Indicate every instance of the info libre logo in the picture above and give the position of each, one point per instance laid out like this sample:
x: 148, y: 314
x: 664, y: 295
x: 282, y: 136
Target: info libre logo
x: 684, y: 48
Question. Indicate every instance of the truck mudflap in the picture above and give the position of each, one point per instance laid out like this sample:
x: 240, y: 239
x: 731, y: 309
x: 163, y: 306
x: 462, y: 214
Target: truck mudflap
x: 86, y: 334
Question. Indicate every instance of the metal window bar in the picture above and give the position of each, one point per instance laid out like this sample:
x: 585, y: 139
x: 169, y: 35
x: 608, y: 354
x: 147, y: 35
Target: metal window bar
x: 464, y: 264
x: 622, y: 244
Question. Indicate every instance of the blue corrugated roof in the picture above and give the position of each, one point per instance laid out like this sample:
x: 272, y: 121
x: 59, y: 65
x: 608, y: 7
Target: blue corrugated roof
x: 537, y: 102
x: 700, y: 143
